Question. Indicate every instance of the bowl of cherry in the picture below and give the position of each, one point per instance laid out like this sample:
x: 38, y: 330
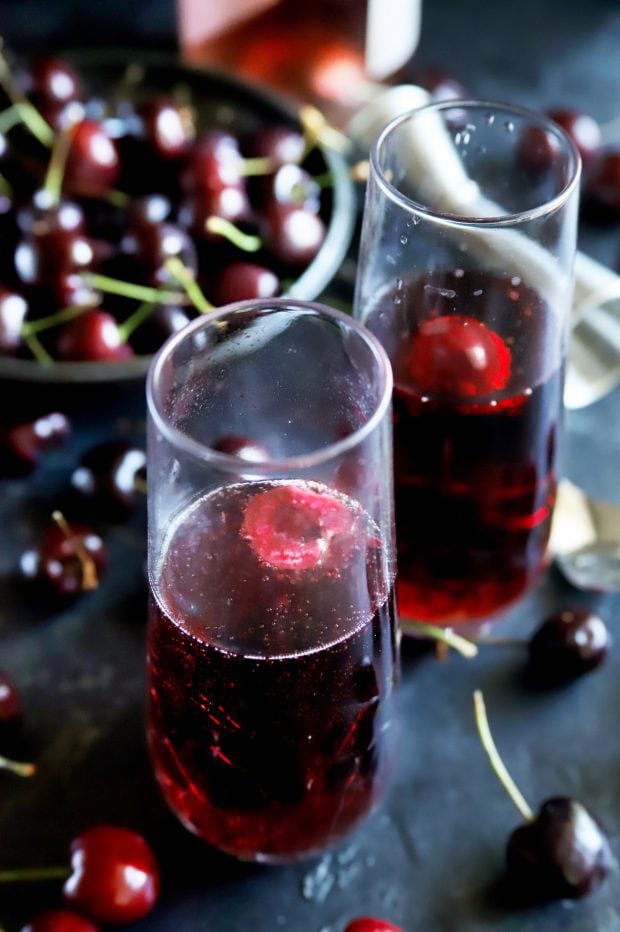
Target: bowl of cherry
x: 136, y: 193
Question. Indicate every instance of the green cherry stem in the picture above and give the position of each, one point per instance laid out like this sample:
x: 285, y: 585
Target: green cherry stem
x: 19, y: 768
x: 443, y: 635
x: 30, y: 116
x: 37, y: 349
x: 54, y: 320
x: 129, y: 290
x: 56, y: 168
x: 19, y: 874
x: 256, y: 167
x: 134, y: 320
x: 191, y: 287
x: 482, y: 724
x: 243, y: 241
x: 9, y: 118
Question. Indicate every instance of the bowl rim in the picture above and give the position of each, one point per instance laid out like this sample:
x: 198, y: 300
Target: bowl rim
x: 310, y: 284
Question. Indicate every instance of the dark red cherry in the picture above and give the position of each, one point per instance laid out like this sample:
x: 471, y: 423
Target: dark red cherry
x: 54, y: 82
x: 240, y: 281
x: 22, y: 445
x: 162, y: 322
x: 92, y: 337
x: 115, y: 876
x: 562, y: 853
x: 281, y: 144
x: 291, y: 184
x: 168, y: 128
x: 371, y: 924
x: 292, y: 234
x: 567, y: 645
x: 93, y: 161
x: 105, y: 479
x: 214, y: 163
x: 148, y: 209
x: 11, y: 710
x: 583, y: 129
x: 13, y: 310
x: 231, y: 204
x: 601, y: 192
x: 152, y: 244
x: 60, y: 920
x: 458, y: 355
x: 44, y: 214
x: 537, y: 150
x: 57, y: 563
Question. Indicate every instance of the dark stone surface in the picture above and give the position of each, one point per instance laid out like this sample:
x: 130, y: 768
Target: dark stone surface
x: 431, y: 857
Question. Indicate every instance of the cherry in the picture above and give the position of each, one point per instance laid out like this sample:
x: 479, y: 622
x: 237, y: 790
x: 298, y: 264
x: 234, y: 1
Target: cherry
x: 240, y: 281
x: 162, y: 322
x: 54, y: 82
x: 371, y: 924
x: 167, y: 128
x: 47, y: 260
x: 214, y: 163
x: 602, y: 186
x: 293, y: 528
x: 567, y: 645
x: 115, y: 876
x: 11, y: 710
x: 458, y: 355
x: 93, y: 162
x: 59, y: 920
x: 440, y: 84
x: 148, y: 209
x: 152, y: 244
x: 93, y: 336
x: 105, y: 480
x: 66, y: 560
x: 291, y: 184
x: 45, y: 214
x: 22, y: 445
x: 536, y: 150
x: 13, y: 310
x: 583, y: 129
x: 562, y: 853
x: 243, y: 447
x: 280, y: 144
x: 293, y: 234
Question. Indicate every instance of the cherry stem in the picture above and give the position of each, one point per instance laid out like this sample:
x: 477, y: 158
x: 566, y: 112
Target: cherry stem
x: 324, y: 180
x: 30, y: 116
x: 37, y: 349
x: 132, y: 322
x: 443, y: 635
x: 360, y: 171
x: 56, y: 169
x: 19, y: 768
x: 90, y: 579
x: 316, y: 129
x: 497, y: 640
x: 186, y: 279
x: 129, y: 290
x: 6, y: 187
x: 54, y: 320
x: 9, y: 118
x: 256, y: 167
x: 34, y: 873
x: 243, y: 241
x: 482, y: 723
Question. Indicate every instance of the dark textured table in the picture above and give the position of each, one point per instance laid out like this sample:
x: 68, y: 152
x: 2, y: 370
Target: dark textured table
x: 431, y: 856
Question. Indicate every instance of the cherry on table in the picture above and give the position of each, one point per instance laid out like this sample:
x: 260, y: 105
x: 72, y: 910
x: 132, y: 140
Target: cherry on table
x: 65, y: 561
x: 105, y: 480
x: 458, y: 355
x: 371, y: 924
x: 115, y: 876
x: 583, y: 129
x: 537, y: 150
x: 22, y: 445
x: 60, y: 920
x: 94, y: 336
x: 567, y: 645
x: 292, y: 234
x: 562, y: 853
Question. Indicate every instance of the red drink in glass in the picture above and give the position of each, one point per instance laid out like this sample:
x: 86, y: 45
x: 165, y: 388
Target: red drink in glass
x: 271, y: 663
x: 475, y: 463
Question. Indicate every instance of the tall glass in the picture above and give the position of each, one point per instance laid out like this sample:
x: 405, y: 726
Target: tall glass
x: 272, y: 646
x: 465, y: 275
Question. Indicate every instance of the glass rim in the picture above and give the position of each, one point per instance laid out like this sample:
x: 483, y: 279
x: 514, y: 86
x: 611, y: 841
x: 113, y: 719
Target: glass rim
x: 229, y: 462
x: 507, y: 219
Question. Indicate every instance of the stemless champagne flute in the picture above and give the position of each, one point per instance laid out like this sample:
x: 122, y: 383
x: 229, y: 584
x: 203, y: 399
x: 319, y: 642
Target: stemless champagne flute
x: 272, y: 645
x: 465, y: 275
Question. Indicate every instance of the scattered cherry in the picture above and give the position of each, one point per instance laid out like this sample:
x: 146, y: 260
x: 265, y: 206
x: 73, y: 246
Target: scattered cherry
x: 11, y: 710
x: 562, y: 853
x: 65, y: 562
x: 22, y: 445
x: 583, y: 129
x: 371, y: 924
x: 458, y: 355
x: 567, y: 645
x: 105, y: 480
x: 94, y: 336
x: 115, y: 876
x: 60, y: 920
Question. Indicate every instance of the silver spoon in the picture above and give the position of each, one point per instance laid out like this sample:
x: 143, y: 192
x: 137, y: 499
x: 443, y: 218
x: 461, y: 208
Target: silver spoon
x: 585, y: 539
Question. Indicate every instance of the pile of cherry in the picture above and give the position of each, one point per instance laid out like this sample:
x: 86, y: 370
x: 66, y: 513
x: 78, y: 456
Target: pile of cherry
x: 98, y: 195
